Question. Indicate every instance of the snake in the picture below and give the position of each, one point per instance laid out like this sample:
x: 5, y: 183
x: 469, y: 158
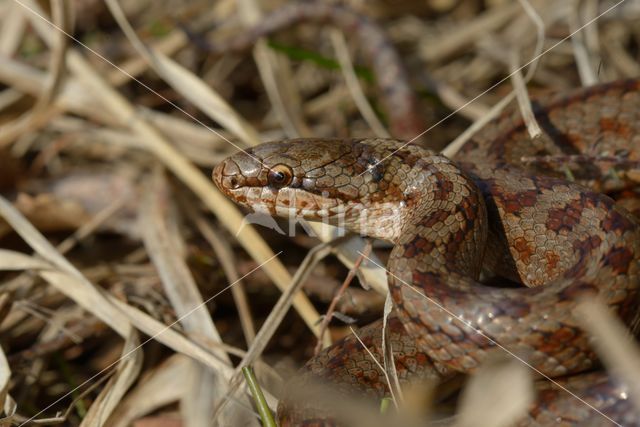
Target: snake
x: 563, y: 233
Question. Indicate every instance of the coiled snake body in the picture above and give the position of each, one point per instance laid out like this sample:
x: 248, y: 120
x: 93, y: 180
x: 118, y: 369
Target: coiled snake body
x: 449, y: 220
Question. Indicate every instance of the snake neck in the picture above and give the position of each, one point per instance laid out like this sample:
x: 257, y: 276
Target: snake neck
x: 447, y: 225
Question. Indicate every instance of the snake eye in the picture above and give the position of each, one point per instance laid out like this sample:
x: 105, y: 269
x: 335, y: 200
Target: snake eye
x: 280, y: 175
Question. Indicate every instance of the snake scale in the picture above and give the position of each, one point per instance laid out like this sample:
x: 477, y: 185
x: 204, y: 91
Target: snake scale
x: 450, y: 219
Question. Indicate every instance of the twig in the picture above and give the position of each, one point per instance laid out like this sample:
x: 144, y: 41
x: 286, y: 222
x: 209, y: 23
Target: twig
x: 124, y: 113
x: 222, y: 249
x: 584, y: 62
x: 277, y: 314
x: 522, y: 95
x: 451, y: 149
x: 265, y: 413
x: 613, y: 343
x: 45, y: 109
x: 349, y: 74
x: 329, y: 314
x: 391, y: 76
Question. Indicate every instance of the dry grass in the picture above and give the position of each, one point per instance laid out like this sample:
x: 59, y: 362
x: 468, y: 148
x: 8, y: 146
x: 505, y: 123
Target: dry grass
x: 117, y: 250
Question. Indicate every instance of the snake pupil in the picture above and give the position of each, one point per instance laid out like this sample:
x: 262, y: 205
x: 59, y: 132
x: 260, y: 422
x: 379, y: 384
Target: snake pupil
x: 280, y: 175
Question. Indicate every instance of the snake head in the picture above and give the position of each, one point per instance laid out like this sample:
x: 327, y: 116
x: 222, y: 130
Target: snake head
x: 341, y: 182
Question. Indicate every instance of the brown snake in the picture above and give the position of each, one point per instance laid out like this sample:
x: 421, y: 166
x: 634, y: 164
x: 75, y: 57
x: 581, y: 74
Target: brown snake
x: 449, y: 220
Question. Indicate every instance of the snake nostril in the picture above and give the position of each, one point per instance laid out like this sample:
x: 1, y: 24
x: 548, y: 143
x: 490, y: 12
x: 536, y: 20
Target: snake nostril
x: 233, y: 183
